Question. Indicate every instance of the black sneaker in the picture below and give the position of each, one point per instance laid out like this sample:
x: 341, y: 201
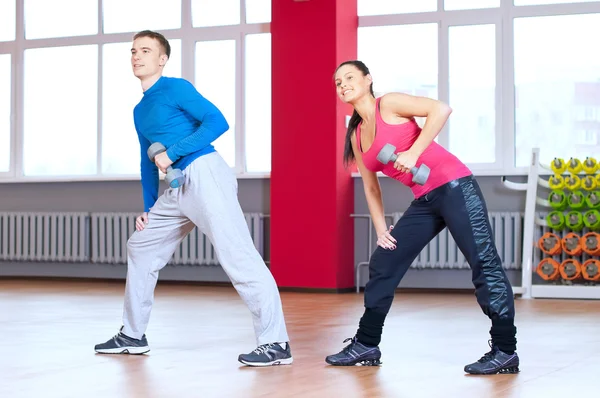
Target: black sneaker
x: 494, y: 362
x: 123, y: 344
x: 268, y: 355
x: 355, y: 353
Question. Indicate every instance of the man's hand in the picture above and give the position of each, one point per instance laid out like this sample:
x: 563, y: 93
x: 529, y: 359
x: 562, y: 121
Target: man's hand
x: 162, y: 161
x: 141, y: 221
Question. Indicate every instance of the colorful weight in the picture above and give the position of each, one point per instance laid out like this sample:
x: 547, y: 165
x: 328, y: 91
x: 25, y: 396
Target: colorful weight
x: 574, y: 221
x: 591, y: 220
x: 550, y: 244
x: 589, y: 183
x: 547, y: 269
x: 572, y: 182
x: 592, y: 200
x: 591, y: 270
x: 571, y: 244
x: 598, y: 180
x: 557, y: 199
x: 590, y: 243
x: 574, y: 166
x: 576, y: 200
x: 589, y: 165
x: 556, y: 220
x: 570, y: 269
x: 556, y: 182
x: 558, y: 166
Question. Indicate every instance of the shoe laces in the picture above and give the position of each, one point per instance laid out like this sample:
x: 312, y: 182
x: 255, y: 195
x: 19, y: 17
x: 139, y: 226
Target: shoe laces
x: 488, y: 355
x: 353, y: 342
x: 261, y: 349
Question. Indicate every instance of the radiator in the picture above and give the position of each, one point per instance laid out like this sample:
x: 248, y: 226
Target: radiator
x: 443, y: 253
x: 110, y: 232
x: 44, y: 236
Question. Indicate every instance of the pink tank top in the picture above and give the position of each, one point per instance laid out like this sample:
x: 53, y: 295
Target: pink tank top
x: 444, y: 166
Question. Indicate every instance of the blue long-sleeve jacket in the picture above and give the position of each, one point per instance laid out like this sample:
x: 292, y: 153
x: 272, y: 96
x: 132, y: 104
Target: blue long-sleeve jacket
x: 175, y: 114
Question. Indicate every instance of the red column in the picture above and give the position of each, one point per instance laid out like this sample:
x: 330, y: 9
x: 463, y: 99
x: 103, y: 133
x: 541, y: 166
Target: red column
x: 312, y: 194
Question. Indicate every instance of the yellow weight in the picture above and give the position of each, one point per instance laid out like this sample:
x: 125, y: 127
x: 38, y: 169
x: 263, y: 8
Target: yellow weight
x: 558, y: 166
x: 597, y: 179
x: 589, y: 183
x: 572, y: 182
x: 589, y: 165
x: 557, y: 181
x: 574, y: 166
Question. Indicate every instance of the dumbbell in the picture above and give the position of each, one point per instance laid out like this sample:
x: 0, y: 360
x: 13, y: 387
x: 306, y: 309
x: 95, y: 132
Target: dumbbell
x: 420, y: 174
x: 572, y: 182
x: 174, y: 177
x: 574, y: 166
x: 547, y: 269
x: 574, y: 221
x: 558, y: 166
x: 593, y: 200
x: 557, y: 199
x: 556, y: 182
x: 589, y: 165
x: 591, y: 220
x: 556, y: 220
x: 576, y: 200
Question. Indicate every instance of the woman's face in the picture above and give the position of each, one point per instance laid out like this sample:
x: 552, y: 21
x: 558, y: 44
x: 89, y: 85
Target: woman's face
x: 351, y: 84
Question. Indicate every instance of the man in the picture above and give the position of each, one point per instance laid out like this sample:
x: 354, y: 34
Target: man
x: 173, y: 113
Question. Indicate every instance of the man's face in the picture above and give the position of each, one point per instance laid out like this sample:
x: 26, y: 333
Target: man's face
x: 147, y: 59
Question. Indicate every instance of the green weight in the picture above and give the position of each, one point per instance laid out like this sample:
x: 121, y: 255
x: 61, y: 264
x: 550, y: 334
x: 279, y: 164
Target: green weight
x: 574, y: 221
x: 592, y: 200
x: 576, y: 200
x: 556, y: 220
x: 557, y: 200
x: 591, y: 219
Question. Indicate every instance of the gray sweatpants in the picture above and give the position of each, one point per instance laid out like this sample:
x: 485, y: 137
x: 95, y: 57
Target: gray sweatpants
x: 208, y: 199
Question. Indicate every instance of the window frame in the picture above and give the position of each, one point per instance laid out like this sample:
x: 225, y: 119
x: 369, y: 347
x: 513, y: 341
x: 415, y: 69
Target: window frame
x: 188, y: 34
x: 503, y: 17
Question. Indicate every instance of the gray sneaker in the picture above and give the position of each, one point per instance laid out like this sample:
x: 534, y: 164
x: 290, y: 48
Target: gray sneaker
x: 123, y: 344
x: 268, y: 355
x: 494, y: 362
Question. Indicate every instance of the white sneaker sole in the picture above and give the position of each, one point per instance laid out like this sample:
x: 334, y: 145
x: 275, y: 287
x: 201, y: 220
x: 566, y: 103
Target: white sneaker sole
x: 124, y: 350
x: 286, y: 361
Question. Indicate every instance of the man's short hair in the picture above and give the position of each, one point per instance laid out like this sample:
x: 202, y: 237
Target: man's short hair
x: 163, y: 42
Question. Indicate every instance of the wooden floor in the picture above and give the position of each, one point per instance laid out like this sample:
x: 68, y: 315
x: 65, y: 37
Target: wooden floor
x: 48, y: 330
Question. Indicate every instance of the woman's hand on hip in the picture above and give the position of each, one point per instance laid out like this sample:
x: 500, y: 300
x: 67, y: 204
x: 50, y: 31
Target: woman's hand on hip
x: 386, y: 240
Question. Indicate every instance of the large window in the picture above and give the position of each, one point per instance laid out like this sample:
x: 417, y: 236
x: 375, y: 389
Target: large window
x: 557, y: 86
x: 7, y: 20
x: 516, y: 77
x: 215, y: 80
x: 136, y: 15
x: 472, y: 88
x: 75, y: 18
x: 70, y: 114
x: 60, y: 117
x: 257, y: 118
x: 380, y: 7
x: 5, y: 111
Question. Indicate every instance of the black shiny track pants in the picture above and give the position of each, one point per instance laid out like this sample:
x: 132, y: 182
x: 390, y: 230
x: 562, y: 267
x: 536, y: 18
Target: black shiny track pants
x: 458, y: 205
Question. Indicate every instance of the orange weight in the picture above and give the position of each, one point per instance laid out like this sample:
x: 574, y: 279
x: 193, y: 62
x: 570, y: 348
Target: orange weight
x: 591, y: 270
x: 547, y: 269
x: 550, y: 244
x: 590, y: 243
x: 570, y: 269
x: 571, y: 244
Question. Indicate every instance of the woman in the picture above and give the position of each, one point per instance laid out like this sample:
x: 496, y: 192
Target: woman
x: 449, y: 198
